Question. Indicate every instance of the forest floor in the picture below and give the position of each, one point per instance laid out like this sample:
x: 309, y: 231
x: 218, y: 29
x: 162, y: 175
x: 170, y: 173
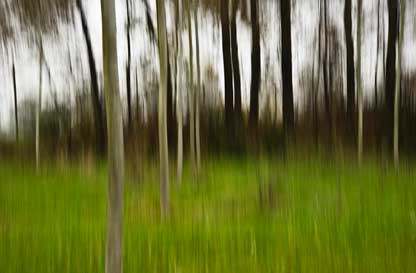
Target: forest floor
x: 242, y: 216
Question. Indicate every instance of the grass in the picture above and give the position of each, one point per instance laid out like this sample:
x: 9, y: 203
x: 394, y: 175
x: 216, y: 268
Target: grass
x: 244, y: 216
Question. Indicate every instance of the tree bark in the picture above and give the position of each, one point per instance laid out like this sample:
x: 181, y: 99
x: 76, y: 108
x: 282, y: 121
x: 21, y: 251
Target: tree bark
x: 128, y: 67
x: 113, y: 261
x: 288, y: 108
x: 39, y: 105
x: 95, y: 97
x: 16, y: 117
x: 377, y: 57
x: 235, y: 62
x: 163, y: 134
x: 198, y: 92
x: 326, y: 68
x: 228, y: 74
x: 398, y: 82
x: 350, y: 68
x: 359, y: 85
x: 191, y: 92
x: 391, y: 70
x: 179, y: 76
x: 255, y: 65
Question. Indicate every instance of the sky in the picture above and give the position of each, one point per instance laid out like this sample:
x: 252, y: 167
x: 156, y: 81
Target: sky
x: 304, y: 26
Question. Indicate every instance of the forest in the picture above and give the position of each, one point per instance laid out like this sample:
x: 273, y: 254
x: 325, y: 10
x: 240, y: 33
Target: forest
x: 207, y: 136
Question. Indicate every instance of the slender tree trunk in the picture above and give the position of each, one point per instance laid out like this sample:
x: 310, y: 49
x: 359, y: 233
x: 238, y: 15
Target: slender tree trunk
x: 39, y: 105
x: 326, y: 68
x: 391, y: 70
x: 235, y: 61
x: 288, y: 109
x: 113, y: 261
x: 179, y: 86
x: 163, y: 134
x: 350, y: 68
x: 377, y: 57
x: 128, y: 67
x: 95, y: 97
x: 137, y: 99
x: 255, y: 65
x: 198, y: 92
x: 359, y: 84
x: 16, y: 118
x: 398, y: 82
x: 191, y: 92
x: 228, y: 74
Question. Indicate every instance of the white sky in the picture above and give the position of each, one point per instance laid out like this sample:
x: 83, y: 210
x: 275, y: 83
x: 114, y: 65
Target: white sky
x: 304, y: 24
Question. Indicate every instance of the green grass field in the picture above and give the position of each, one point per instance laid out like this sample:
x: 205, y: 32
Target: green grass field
x: 243, y: 216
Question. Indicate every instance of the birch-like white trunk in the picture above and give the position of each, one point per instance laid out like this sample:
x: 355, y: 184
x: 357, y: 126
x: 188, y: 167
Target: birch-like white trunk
x: 359, y: 84
x: 399, y: 49
x: 115, y: 146
x: 39, y: 107
x: 163, y: 131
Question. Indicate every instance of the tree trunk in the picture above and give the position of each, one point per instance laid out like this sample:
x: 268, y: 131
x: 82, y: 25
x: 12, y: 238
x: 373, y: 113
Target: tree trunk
x: 255, y: 65
x: 398, y: 81
x: 235, y: 61
x: 350, y: 69
x: 128, y: 67
x: 113, y: 261
x: 197, y: 93
x: 163, y: 134
x: 326, y: 68
x: 288, y: 109
x: 391, y: 70
x: 39, y: 105
x: 228, y: 74
x: 95, y: 97
x: 359, y: 84
x: 179, y: 76
x: 377, y: 57
x: 191, y: 93
x: 16, y: 118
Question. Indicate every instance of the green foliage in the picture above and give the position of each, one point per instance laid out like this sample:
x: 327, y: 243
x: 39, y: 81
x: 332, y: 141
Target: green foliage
x: 245, y: 215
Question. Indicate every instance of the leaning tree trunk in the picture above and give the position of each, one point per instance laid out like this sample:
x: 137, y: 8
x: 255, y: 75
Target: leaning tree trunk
x: 16, y: 117
x: 391, y: 70
x: 359, y: 84
x: 255, y: 65
x: 398, y: 81
x: 128, y: 67
x: 39, y: 105
x: 163, y: 130
x: 350, y: 68
x: 288, y: 108
x: 191, y: 92
x: 113, y: 258
x: 228, y: 74
x: 95, y: 97
x: 235, y: 61
x: 198, y: 92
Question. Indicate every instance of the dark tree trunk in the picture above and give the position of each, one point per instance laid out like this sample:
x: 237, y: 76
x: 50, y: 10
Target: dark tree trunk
x: 16, y: 118
x: 350, y: 70
x: 326, y: 67
x: 236, y: 65
x: 255, y: 65
x: 228, y: 76
x: 377, y: 57
x: 128, y: 75
x: 288, y: 109
x: 391, y: 69
x: 97, y: 108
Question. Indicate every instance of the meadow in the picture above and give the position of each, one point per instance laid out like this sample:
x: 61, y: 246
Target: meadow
x: 243, y: 215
